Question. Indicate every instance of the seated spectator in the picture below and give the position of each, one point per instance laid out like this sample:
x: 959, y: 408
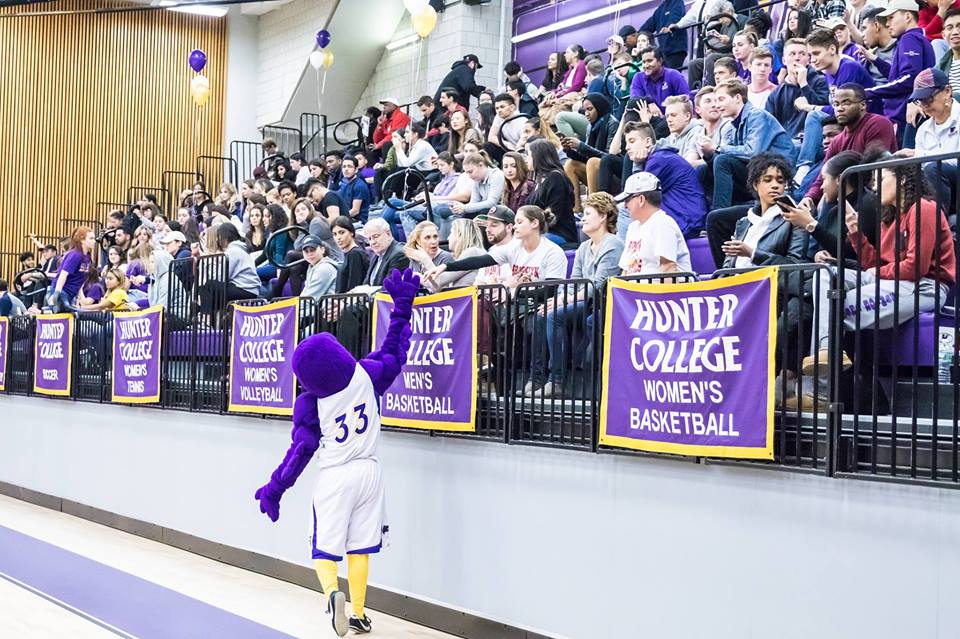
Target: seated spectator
x: 680, y: 193
x: 322, y: 271
x: 387, y: 253
x: 552, y: 192
x: 332, y: 176
x: 531, y: 256
x: 752, y: 131
x: 355, y: 262
x: 718, y: 32
x: 256, y: 235
x: 298, y: 164
x: 597, y: 259
x: 797, y: 25
x: 10, y: 305
x: 723, y: 69
x: 430, y: 113
x: 32, y: 280
x: 228, y: 198
x: 115, y: 297
x: 507, y: 129
x: 915, y: 262
x: 744, y: 44
x: 711, y: 119
x: 516, y: 180
x: 392, y: 119
x: 423, y: 248
x: 73, y: 270
x: 327, y: 203
x: 139, y: 271
x: 931, y: 19
x: 454, y: 186
x: 116, y: 258
x: 654, y: 242
x: 950, y: 61
x: 303, y: 217
x: 354, y: 191
x: 465, y: 241
x: 800, y: 80
x: 596, y: 81
x: 415, y: 151
x: 556, y: 70
x: 450, y: 102
x: 625, y: 70
x: 274, y: 219
x: 461, y: 133
x: 657, y: 82
x: 462, y: 78
x: 527, y: 96
x: 912, y: 55
x: 583, y: 163
x: 497, y: 225
x: 760, y: 87
x: 879, y: 45
x: 175, y: 243
x: 685, y: 132
x: 487, y: 187
x: 569, y: 91
x: 243, y: 281
x: 939, y: 134
x: 764, y: 237
x: 831, y: 129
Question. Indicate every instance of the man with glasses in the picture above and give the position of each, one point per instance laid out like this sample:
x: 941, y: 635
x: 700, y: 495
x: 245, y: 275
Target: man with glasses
x: 933, y: 94
x: 950, y: 62
x: 860, y: 131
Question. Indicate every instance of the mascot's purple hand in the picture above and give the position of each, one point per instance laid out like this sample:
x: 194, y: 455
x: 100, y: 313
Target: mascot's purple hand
x: 269, y: 499
x: 403, y: 288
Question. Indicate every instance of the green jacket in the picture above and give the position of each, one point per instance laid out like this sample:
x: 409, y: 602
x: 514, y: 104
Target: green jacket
x: 944, y: 65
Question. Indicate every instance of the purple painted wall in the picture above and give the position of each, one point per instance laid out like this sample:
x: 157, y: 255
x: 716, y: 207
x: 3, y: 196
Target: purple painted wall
x: 592, y: 35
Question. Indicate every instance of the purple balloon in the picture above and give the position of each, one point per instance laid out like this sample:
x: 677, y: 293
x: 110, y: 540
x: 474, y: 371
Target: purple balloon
x: 323, y: 38
x: 198, y: 60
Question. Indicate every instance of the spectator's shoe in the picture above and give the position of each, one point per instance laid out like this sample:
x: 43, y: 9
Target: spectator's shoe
x: 359, y: 625
x: 336, y: 607
x: 485, y: 365
x: 823, y: 356
x: 808, y: 395
x: 528, y: 389
x: 778, y: 392
x: 552, y: 390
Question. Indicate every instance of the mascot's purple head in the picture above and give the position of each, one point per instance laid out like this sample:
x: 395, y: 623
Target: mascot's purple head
x: 323, y: 366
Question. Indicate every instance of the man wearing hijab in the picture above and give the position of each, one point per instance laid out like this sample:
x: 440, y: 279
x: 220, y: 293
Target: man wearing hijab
x: 583, y: 164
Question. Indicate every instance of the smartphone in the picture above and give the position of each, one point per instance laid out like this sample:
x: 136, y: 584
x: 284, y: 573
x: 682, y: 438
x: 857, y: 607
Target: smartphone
x: 787, y: 201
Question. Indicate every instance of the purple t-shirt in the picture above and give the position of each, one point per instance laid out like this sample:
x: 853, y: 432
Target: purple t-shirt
x: 76, y: 265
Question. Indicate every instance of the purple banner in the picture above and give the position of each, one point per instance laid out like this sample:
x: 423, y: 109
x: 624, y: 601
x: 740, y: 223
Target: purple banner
x: 262, y: 343
x: 53, y: 356
x: 4, y: 344
x: 688, y: 368
x: 136, y: 356
x: 437, y: 387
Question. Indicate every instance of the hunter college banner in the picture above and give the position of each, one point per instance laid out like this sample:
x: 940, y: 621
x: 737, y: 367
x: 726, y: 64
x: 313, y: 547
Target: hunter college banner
x: 54, y: 355
x: 4, y: 344
x: 136, y: 356
x: 261, y: 349
x: 688, y: 368
x: 437, y: 387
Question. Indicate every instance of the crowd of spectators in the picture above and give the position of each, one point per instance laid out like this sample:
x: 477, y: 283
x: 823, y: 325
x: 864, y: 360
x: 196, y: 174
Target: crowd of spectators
x: 623, y: 157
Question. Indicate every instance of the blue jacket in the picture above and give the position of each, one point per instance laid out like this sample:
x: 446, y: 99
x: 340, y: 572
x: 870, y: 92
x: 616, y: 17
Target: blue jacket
x: 780, y: 102
x: 669, y: 12
x: 912, y: 55
x: 754, y: 131
x: 356, y: 189
x: 683, y: 197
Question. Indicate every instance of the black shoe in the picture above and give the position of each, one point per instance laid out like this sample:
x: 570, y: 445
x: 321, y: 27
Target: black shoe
x: 360, y: 625
x: 336, y: 606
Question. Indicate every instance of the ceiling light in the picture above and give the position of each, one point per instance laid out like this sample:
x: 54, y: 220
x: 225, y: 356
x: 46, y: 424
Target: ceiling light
x: 402, y: 42
x: 195, y: 9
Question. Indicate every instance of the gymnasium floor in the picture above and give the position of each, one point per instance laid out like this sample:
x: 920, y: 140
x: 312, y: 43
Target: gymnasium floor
x: 61, y: 576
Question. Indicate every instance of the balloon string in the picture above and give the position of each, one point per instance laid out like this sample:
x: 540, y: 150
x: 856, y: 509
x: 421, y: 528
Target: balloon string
x: 323, y: 89
x: 319, y: 94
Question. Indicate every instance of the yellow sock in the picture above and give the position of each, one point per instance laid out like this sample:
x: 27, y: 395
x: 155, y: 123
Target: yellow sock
x: 358, y: 567
x: 327, y: 573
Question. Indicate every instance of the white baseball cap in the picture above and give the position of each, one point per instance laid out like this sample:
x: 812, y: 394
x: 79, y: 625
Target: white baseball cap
x: 391, y: 100
x: 900, y: 5
x: 173, y: 236
x: 641, y: 182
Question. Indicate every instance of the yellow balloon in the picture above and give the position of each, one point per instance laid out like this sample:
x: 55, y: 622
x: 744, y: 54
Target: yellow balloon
x: 425, y: 21
x: 327, y: 59
x: 200, y: 94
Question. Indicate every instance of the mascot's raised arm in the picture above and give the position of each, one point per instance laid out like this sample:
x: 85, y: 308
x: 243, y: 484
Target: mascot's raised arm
x: 337, y: 418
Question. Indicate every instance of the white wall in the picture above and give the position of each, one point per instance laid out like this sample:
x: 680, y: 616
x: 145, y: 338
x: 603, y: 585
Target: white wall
x: 243, y: 63
x: 417, y: 69
x: 581, y: 545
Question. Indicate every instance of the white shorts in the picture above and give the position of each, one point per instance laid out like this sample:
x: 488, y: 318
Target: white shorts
x: 348, y: 510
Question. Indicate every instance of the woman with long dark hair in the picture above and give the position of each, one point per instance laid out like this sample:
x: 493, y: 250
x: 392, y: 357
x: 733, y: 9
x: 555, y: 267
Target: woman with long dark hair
x: 355, y: 259
x: 553, y: 192
x: 274, y: 219
x: 517, y: 184
x: 556, y: 69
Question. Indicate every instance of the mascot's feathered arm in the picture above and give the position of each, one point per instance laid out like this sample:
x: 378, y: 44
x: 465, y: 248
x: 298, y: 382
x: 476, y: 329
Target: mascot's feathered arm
x: 306, y: 440
x: 383, y: 365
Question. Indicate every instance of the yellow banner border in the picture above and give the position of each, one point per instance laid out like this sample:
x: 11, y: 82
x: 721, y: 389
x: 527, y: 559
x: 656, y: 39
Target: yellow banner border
x: 738, y: 452
x: 5, y: 345
x: 124, y: 399
x: 273, y: 306
x: 455, y: 427
x: 36, y: 358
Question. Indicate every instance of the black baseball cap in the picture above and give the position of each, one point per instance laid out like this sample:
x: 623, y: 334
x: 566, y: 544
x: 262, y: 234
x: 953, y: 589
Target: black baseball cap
x: 500, y: 213
x: 470, y: 57
x: 625, y: 31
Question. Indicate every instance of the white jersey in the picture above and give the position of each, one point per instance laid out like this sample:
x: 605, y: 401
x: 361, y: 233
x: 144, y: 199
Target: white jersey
x: 647, y: 242
x: 349, y: 422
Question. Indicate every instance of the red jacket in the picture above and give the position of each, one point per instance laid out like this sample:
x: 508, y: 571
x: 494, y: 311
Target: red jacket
x: 872, y: 129
x: 930, y: 21
x: 397, y: 120
x: 918, y: 259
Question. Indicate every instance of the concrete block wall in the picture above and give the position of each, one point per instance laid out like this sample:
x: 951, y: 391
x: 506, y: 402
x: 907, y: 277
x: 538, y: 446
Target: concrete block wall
x: 417, y: 69
x: 286, y: 38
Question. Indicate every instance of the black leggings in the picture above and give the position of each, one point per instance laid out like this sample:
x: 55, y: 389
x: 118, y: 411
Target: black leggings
x: 296, y: 275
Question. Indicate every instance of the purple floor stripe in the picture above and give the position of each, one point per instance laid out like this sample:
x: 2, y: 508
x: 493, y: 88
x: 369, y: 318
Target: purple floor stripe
x: 131, y: 604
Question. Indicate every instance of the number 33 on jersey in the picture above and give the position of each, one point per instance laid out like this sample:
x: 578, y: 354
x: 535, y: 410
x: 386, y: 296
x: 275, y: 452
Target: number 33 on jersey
x: 349, y: 422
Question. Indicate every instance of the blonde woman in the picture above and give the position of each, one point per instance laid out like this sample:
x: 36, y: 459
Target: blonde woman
x: 139, y: 269
x: 423, y: 248
x: 229, y: 198
x: 465, y: 241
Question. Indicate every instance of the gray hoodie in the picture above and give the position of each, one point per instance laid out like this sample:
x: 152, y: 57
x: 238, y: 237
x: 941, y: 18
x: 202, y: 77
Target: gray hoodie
x: 241, y: 270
